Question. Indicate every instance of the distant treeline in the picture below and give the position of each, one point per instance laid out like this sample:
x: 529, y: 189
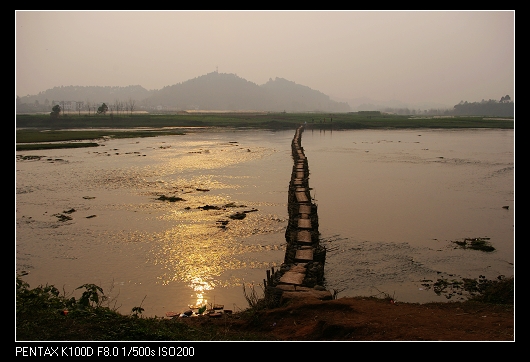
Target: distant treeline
x: 491, y: 108
x: 225, y: 92
x: 485, y: 108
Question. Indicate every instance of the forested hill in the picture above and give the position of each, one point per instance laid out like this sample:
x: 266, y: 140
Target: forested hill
x: 213, y: 91
x: 221, y: 91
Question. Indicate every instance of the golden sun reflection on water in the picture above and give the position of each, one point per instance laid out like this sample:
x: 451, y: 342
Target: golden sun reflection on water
x: 199, y: 286
x: 209, y: 157
x: 175, y: 250
x: 199, y: 249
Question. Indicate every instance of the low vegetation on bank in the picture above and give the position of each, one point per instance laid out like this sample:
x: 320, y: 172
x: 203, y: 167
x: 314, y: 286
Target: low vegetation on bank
x: 44, y: 313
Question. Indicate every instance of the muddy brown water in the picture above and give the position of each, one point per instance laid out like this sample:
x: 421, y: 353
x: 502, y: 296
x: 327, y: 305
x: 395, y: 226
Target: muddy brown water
x: 391, y: 203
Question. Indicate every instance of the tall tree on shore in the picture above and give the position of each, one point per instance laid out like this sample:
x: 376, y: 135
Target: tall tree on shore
x: 56, y: 111
x: 131, y: 103
x: 505, y: 99
x: 88, y: 105
x: 103, y: 109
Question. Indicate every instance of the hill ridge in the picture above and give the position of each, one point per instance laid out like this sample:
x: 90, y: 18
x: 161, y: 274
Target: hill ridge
x: 211, y: 91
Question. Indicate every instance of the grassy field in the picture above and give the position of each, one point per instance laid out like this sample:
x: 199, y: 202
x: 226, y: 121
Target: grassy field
x: 39, y: 139
x: 39, y: 131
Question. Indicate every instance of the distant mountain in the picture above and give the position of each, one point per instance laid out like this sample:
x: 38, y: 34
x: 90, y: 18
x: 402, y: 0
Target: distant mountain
x: 222, y: 91
x: 213, y: 91
x: 287, y: 95
x: 94, y: 94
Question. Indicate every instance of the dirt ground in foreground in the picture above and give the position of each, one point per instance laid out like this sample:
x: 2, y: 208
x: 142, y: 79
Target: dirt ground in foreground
x: 371, y: 319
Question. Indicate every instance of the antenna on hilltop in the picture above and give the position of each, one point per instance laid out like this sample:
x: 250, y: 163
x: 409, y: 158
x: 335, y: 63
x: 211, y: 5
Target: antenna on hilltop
x: 216, y: 69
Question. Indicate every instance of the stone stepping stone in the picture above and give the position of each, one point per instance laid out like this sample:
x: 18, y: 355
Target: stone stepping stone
x: 301, y: 197
x: 291, y: 277
x: 304, y: 223
x: 303, y: 237
x: 298, y: 268
x: 304, y: 254
x: 304, y: 209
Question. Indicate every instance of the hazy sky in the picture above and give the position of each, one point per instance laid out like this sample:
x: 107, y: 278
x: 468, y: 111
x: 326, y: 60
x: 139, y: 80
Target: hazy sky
x: 411, y: 56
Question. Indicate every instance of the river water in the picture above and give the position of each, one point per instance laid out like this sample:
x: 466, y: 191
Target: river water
x: 391, y: 203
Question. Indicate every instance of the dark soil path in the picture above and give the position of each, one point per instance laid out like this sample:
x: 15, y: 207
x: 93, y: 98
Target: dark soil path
x: 372, y: 319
